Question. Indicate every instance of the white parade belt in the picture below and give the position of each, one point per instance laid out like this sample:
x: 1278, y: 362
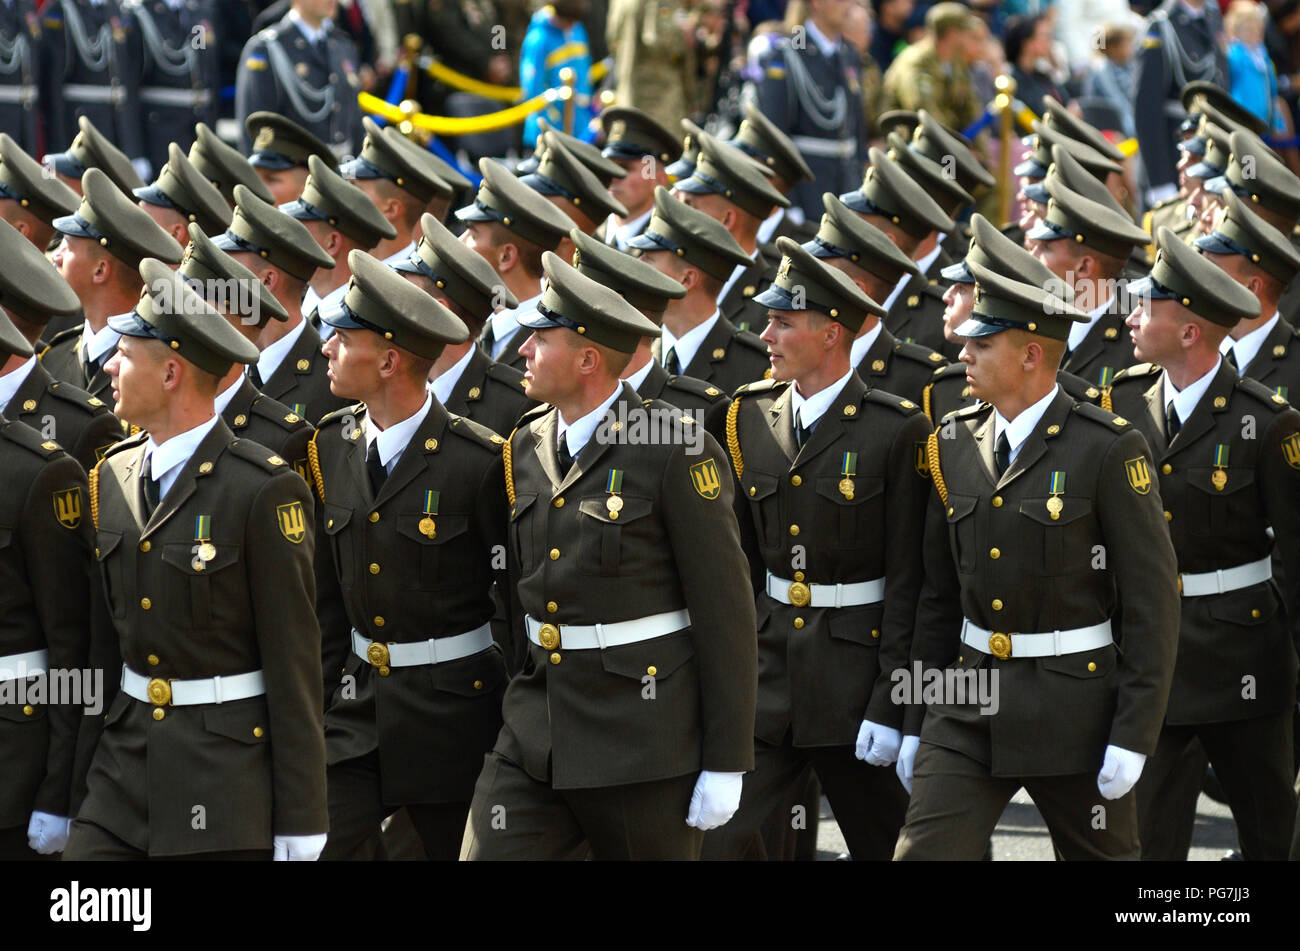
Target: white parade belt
x: 825, y: 148
x: 436, y: 650
x: 1047, y: 644
x: 83, y: 92
x: 186, y: 693
x: 803, y: 595
x: 591, y: 636
x: 28, y: 664
x: 1225, y: 579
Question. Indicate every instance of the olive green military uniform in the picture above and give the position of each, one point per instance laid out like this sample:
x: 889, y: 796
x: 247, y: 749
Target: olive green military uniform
x: 585, y: 761
x: 491, y: 394
x: 916, y: 78
x: 947, y: 391
x: 654, y: 62
x: 1018, y: 541
x: 224, y: 166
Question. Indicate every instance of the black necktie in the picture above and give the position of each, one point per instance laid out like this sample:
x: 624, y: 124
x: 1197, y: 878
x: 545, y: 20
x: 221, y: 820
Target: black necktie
x: 149, y: 490
x: 800, y: 431
x: 1172, y: 422
x: 488, y: 338
x: 1231, y: 357
x: 375, y: 469
x: 254, y: 377
x: 562, y: 454
x: 671, y: 363
x: 91, y: 367
x: 1002, y: 454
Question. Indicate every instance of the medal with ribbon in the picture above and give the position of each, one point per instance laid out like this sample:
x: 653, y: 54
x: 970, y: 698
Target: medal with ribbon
x: 1054, y: 504
x: 614, y: 485
x: 848, y: 469
x: 1220, y: 475
x: 204, y: 550
x: 427, y: 526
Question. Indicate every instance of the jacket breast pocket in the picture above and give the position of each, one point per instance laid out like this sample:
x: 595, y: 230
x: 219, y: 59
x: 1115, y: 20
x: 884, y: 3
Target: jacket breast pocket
x: 961, y: 530
x: 521, y: 528
x: 859, y: 517
x: 430, y: 533
x: 1211, y: 511
x: 110, y: 571
x: 206, y: 592
x: 603, y: 531
x: 760, y: 489
x: 1061, y: 533
x: 337, y: 519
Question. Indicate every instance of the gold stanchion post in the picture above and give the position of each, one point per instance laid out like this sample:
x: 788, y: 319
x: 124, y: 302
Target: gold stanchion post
x: 1004, y: 105
x: 570, y: 79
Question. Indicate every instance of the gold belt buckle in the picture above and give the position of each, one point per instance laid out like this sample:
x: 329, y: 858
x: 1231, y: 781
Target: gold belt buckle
x: 159, y: 692
x: 549, y: 636
x: 800, y: 594
x: 1000, y: 646
x: 377, y: 655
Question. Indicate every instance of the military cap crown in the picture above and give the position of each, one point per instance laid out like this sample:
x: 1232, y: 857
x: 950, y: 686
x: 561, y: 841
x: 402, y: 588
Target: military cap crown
x: 107, y: 216
x: 387, y: 154
x: 224, y: 282
x: 804, y: 282
x: 589, y: 155
x: 844, y: 234
x: 262, y: 229
x: 170, y: 311
x: 898, y: 120
x: 1255, y: 172
x: 1075, y: 177
x: 30, y: 286
x: 1183, y: 274
x: 940, y: 144
x: 181, y: 187
x: 590, y: 310
x: 23, y: 179
x: 1003, y: 303
x: 1040, y: 156
x: 279, y: 142
x: 12, y: 343
x: 724, y: 170
x: 890, y: 192
x: 642, y: 286
x: 561, y: 173
x: 760, y: 139
x: 1056, y: 116
x: 223, y: 166
x: 327, y: 196
x: 1197, y: 95
x: 992, y: 249
x: 632, y: 134
x: 684, y: 166
x: 381, y: 300
x: 91, y: 149
x: 1214, y: 161
x: 1241, y: 231
x: 1070, y: 216
x: 458, y: 272
x: 697, y: 238
x: 505, y: 199
x: 938, y: 183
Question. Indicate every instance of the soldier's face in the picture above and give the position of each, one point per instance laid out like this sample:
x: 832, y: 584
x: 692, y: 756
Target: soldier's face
x: 477, y: 236
x: 1030, y: 214
x: 994, y: 365
x: 1156, y: 329
x: 1056, y: 256
x: 77, y: 260
x: 715, y: 206
x: 797, y: 342
x: 958, y: 300
x: 551, y: 364
x: 285, y: 184
x: 637, y: 191
x: 1212, y: 210
x: 138, y: 370
x: 355, y: 357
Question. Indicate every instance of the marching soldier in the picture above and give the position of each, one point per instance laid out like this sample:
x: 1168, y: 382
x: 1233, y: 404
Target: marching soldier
x: 283, y: 255
x: 650, y: 292
x: 179, y: 64
x: 464, y: 379
x: 697, y: 340
x: 571, y: 187
x: 93, y: 149
x: 404, y: 181
x: 1086, y: 243
x: 90, y: 70
x: 224, y: 167
x: 592, y: 156
x: 29, y: 199
x: 623, y: 601
x: 948, y: 389
x: 1036, y: 164
x: 305, y: 69
x: 280, y: 148
x: 197, y: 530
x: 811, y: 450
x: 32, y: 292
x: 728, y: 186
x: 235, y: 292
x: 760, y: 139
x: 875, y: 265
x: 20, y: 85
x: 45, y: 603
x: 340, y: 217
x: 643, y: 150
x: 416, y: 513
x: 1228, y: 458
x: 104, y: 241
x: 1075, y: 717
x: 511, y: 225
x: 180, y: 195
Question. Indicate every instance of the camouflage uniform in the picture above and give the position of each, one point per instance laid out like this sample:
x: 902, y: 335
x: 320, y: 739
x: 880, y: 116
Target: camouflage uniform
x: 654, y: 65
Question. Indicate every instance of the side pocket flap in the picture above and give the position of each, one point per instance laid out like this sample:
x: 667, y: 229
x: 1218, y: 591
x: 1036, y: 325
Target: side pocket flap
x: 860, y: 625
x: 238, y: 721
x: 663, y: 655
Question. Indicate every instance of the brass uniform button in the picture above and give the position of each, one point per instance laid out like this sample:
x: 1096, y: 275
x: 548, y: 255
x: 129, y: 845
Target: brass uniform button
x: 552, y: 607
x: 1254, y: 612
x: 374, y: 568
x: 373, y: 516
x: 145, y: 546
x: 1166, y: 469
x: 559, y: 503
x: 153, y: 660
x: 555, y: 658
x: 241, y: 419
x: 798, y: 623
x: 1169, y: 516
x: 258, y: 731
x: 997, y: 502
x: 652, y: 670
x: 994, y: 554
x: 205, y: 468
x: 1091, y: 666
x: 28, y: 710
x: 794, y: 529
x: 379, y: 621
x: 555, y: 554
x: 146, y: 603
x: 798, y: 576
x: 159, y: 713
x: 29, y: 405
x: 304, y: 364
x: 795, y: 480
x: 997, y: 604
x: 875, y: 633
x: 752, y: 490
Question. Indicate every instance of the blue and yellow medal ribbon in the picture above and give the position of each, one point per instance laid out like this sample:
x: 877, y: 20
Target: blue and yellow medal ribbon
x: 1220, y: 475
x: 1281, y: 391
x: 848, y: 469
x: 1054, y: 504
x: 614, y: 485
x: 427, y: 525
x: 1107, y: 375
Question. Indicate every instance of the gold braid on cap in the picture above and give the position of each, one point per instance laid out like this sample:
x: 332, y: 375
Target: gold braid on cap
x: 925, y: 396
x: 313, y: 460
x: 932, y: 456
x: 1106, y: 402
x: 507, y: 460
x: 94, y: 494
x: 733, y: 438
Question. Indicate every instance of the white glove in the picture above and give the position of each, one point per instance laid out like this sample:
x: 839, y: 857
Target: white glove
x: 47, y: 834
x: 907, y: 761
x: 298, y: 848
x: 143, y: 168
x: 1119, y: 771
x: 715, y: 799
x: 878, y: 744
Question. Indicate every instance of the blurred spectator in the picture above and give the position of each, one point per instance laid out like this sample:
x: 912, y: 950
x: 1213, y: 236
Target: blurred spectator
x: 556, y: 39
x: 857, y: 33
x: 653, y: 45
x: 890, y: 30
x: 1081, y: 27
x: 933, y: 73
x: 1113, y: 75
x: 1252, y: 80
x: 1028, y: 45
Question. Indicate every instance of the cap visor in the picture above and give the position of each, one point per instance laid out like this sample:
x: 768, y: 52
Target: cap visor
x: 540, y: 185
x: 538, y: 321
x: 406, y: 266
x: 298, y: 209
x: 1037, y: 191
x: 337, y: 317
x: 68, y: 224
x: 1042, y: 232
x: 153, y: 195
x: 621, y: 150
x: 358, y: 169
x: 776, y: 298
x: 1217, y: 185
x: 1192, y: 146
x: 974, y: 327
x: 1145, y: 287
x: 855, y: 200
x: 1203, y: 170
x: 958, y: 273
x: 694, y: 186
x: 681, y: 169
x: 528, y: 166
x: 225, y: 242
x: 473, y: 212
x: 65, y: 165
x: 1214, y: 244
x: 130, y: 325
x: 1030, y: 168
x: 272, y: 160
x: 818, y: 250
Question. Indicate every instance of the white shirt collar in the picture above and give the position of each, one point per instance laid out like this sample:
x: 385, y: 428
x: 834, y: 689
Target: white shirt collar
x: 313, y: 34
x: 164, y: 463
x: 1185, y: 400
x: 393, y: 440
x: 442, y: 386
x: 311, y: 300
x: 862, y: 344
x: 506, y: 321
x: 619, y: 236
x: 10, y: 382
x: 769, y: 225
x: 930, y: 257
x: 579, y: 434
x: 222, y: 400
x: 735, y: 276
x: 808, y: 410
x: 95, y: 345
x: 1080, y: 330
x: 689, y: 343
x: 399, y: 256
x: 1018, y: 429
x: 824, y: 43
x: 1245, y: 349
x: 888, y: 302
x: 274, y: 354
x: 637, y: 378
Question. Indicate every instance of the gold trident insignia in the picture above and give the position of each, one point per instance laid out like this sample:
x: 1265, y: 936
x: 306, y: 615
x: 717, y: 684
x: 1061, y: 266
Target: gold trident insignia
x: 1139, y: 474
x: 704, y: 476
x: 1291, y: 450
x: 67, y: 507
x: 293, y: 524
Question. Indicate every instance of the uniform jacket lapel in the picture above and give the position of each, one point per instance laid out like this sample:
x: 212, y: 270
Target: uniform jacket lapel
x: 1035, y: 445
x: 1202, y: 419
x: 241, y: 404
x: 208, y: 451
x: 586, y: 460
x: 413, y: 460
x: 781, y: 418
x: 717, y: 339
x: 831, y: 424
x: 1154, y: 397
x: 985, y: 439
x: 655, y: 381
x: 472, y: 379
x: 545, y: 443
